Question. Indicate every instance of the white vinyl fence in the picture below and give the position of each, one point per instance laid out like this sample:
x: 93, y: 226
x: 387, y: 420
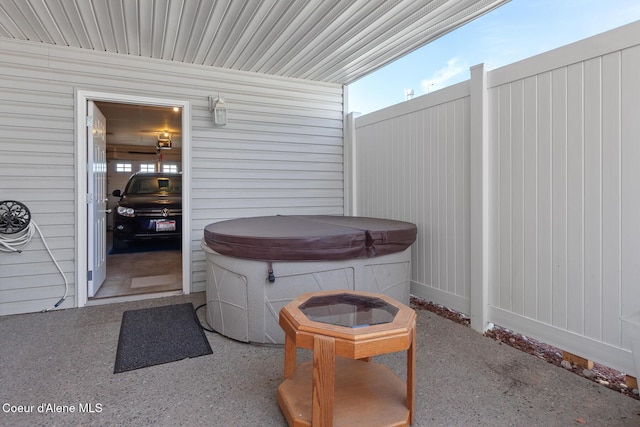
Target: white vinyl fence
x: 524, y: 183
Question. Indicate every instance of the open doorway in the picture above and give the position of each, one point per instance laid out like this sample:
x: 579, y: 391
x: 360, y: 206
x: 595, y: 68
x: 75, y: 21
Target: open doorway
x: 146, y: 137
x: 143, y: 140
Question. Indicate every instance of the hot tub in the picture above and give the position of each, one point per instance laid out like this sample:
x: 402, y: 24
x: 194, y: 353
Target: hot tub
x: 255, y: 266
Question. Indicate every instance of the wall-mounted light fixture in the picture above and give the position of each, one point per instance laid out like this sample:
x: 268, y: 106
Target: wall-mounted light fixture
x: 164, y: 140
x: 218, y: 110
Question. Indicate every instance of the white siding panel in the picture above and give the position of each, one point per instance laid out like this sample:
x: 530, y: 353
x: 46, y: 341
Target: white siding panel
x: 563, y: 174
x: 592, y: 199
x: 504, y: 178
x: 530, y: 223
x: 630, y: 177
x: 611, y: 185
x: 575, y: 199
x: 412, y: 164
x: 280, y: 153
x: 576, y: 168
x: 545, y: 181
x: 517, y: 197
x: 559, y: 198
x: 494, y: 197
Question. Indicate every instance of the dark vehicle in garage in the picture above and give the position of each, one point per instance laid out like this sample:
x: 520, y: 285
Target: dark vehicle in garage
x: 150, y: 208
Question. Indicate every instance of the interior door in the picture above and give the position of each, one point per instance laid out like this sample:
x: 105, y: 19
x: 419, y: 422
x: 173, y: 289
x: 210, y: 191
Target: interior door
x: 97, y: 198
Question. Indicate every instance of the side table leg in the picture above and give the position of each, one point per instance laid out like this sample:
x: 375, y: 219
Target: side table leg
x: 411, y: 373
x: 324, y: 361
x: 289, y: 356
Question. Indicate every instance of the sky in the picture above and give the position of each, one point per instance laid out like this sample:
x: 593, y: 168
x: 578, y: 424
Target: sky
x: 517, y: 30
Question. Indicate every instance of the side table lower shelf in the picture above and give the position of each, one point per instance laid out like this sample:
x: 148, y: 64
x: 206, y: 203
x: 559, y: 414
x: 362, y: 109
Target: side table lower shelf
x: 366, y: 393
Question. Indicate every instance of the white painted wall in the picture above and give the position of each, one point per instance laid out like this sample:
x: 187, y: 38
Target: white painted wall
x: 557, y: 257
x: 281, y: 152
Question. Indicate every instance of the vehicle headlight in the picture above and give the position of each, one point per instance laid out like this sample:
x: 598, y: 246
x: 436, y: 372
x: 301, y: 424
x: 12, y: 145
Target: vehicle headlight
x: 124, y: 211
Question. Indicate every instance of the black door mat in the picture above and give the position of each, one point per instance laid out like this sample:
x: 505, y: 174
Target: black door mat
x: 153, y: 336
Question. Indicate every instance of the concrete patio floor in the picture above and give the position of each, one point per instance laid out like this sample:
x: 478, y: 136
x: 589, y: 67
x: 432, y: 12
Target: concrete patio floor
x: 67, y: 357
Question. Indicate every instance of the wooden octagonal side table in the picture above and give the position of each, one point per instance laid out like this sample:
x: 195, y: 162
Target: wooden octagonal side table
x: 341, y: 385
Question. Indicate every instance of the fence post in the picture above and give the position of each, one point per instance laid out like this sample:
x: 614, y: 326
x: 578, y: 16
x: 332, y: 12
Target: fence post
x: 479, y: 203
x: 349, y: 164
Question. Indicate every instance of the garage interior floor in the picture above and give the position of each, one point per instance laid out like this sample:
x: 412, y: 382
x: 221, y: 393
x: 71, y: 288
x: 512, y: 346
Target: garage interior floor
x: 142, y: 272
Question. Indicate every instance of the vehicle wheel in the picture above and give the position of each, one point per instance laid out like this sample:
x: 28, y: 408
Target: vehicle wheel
x: 119, y: 244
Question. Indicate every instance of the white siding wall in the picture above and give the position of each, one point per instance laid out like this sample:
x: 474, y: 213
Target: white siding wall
x: 564, y: 128
x: 413, y: 165
x: 562, y: 192
x: 281, y: 152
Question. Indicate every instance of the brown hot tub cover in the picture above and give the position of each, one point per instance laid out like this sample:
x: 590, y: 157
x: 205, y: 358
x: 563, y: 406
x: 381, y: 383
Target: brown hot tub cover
x: 309, y: 237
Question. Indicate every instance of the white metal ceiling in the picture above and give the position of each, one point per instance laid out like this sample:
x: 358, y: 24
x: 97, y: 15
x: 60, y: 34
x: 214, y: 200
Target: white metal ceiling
x: 336, y: 41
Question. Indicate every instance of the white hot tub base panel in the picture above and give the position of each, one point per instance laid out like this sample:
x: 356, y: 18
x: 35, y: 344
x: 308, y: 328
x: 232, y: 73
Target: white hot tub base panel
x: 243, y: 305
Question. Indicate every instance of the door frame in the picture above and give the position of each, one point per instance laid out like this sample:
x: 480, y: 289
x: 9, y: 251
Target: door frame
x: 81, y: 241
